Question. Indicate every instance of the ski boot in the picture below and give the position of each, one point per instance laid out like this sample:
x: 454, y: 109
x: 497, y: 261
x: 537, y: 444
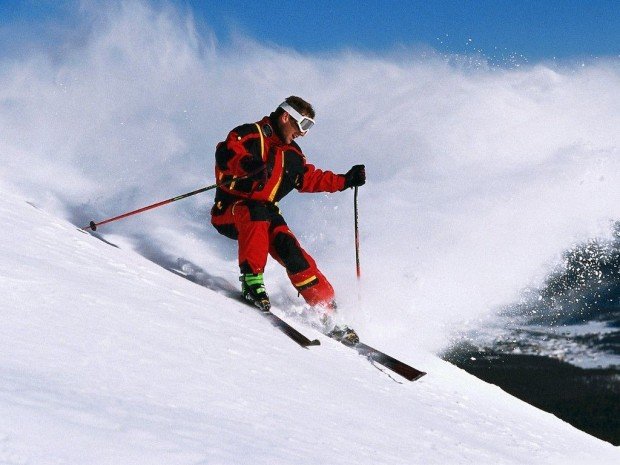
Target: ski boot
x: 344, y: 334
x: 253, y: 290
x: 341, y: 333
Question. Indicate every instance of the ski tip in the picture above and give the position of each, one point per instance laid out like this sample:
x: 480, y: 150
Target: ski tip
x: 418, y: 376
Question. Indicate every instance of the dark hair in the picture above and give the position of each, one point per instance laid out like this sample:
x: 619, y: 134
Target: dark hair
x: 298, y: 104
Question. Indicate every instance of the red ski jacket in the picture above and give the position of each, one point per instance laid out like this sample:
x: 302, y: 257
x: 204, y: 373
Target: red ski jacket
x: 287, y: 168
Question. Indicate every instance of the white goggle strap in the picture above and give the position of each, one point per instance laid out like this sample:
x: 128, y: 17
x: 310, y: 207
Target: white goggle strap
x: 304, y: 122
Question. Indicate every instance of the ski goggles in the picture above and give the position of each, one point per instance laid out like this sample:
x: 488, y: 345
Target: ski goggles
x: 303, y: 122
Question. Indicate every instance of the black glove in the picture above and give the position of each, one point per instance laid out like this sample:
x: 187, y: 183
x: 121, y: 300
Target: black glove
x: 356, y: 176
x: 256, y: 166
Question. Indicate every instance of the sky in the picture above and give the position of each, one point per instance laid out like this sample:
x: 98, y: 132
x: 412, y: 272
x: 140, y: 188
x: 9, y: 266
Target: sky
x: 534, y: 29
x: 504, y: 32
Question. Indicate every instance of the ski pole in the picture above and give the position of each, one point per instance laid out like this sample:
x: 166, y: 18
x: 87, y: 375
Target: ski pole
x: 94, y: 225
x: 357, y: 235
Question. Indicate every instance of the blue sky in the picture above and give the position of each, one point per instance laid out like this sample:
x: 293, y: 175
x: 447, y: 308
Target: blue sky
x: 533, y: 30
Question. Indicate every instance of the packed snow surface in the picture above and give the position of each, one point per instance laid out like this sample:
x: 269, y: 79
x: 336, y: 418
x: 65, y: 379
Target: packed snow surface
x: 108, y: 358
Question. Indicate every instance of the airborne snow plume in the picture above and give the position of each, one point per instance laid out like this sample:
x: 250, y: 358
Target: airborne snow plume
x: 478, y: 176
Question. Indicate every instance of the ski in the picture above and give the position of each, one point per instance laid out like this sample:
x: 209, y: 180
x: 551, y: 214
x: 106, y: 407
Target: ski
x: 287, y: 329
x: 389, y: 362
x: 373, y: 355
x: 283, y: 326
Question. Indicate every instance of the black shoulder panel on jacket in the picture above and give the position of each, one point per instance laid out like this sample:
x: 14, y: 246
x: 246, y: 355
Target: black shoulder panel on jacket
x: 245, y: 129
x: 222, y: 155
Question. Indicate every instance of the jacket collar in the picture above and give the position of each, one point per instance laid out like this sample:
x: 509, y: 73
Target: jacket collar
x: 276, y: 136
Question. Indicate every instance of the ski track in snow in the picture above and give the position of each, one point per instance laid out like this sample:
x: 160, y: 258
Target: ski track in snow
x: 107, y: 358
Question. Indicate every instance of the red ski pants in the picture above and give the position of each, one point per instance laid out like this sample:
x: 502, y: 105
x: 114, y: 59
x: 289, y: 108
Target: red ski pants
x: 260, y: 231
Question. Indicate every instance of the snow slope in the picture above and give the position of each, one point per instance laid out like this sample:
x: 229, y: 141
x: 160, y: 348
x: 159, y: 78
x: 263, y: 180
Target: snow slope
x: 107, y: 358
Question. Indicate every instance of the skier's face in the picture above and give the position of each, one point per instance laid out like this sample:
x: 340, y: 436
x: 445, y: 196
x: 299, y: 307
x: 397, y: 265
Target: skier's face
x: 290, y: 128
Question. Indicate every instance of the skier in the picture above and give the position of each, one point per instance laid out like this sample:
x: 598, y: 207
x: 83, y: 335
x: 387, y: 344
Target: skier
x: 270, y: 164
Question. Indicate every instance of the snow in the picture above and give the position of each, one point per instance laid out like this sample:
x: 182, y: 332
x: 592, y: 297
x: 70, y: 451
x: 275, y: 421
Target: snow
x: 108, y: 358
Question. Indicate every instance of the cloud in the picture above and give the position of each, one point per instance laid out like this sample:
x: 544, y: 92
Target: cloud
x: 478, y: 176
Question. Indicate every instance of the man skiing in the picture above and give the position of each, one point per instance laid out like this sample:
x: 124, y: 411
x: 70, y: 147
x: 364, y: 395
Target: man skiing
x: 266, y: 164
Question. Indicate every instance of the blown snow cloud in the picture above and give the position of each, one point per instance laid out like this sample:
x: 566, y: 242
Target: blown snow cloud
x: 478, y: 176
